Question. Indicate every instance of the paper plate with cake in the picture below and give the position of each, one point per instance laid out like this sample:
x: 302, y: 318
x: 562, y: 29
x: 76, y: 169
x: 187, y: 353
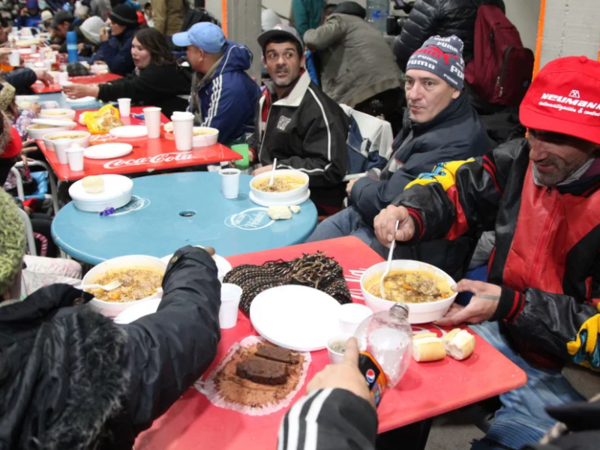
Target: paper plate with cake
x: 256, y: 377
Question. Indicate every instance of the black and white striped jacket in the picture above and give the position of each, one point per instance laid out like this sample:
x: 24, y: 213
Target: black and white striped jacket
x: 329, y: 419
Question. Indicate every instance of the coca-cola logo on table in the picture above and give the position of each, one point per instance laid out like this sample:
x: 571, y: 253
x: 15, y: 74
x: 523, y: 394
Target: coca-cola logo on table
x: 158, y: 159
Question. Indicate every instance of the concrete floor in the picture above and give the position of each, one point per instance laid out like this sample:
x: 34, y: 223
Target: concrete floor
x: 452, y: 431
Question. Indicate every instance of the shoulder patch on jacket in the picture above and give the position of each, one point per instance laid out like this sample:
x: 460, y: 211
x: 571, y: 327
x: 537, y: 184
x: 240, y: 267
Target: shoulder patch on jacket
x: 443, y: 173
x: 584, y: 348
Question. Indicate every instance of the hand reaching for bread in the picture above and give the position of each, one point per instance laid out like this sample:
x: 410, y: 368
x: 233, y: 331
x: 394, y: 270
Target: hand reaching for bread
x: 344, y: 375
x: 482, y: 307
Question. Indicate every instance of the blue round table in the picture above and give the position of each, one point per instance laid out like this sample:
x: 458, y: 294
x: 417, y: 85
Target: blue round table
x: 170, y: 211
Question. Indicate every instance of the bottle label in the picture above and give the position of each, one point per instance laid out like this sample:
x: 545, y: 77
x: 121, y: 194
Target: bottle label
x: 376, y: 379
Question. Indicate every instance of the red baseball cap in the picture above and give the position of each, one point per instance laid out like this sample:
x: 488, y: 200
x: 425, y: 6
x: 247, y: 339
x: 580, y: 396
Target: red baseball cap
x: 565, y: 98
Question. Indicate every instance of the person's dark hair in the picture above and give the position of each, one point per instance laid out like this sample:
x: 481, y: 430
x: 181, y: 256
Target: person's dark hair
x: 3, y: 22
x: 350, y: 8
x: 280, y: 40
x: 153, y: 41
x: 328, y: 9
x: 148, y: 5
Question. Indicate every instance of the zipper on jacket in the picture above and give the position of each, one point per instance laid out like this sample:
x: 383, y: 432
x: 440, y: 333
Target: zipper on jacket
x: 502, y: 74
x: 262, y: 141
x: 545, y: 235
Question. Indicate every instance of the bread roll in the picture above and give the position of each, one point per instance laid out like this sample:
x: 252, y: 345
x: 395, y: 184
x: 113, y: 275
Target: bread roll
x: 279, y: 212
x: 93, y: 185
x: 449, y: 336
x: 423, y: 335
x: 461, y: 345
x: 428, y: 349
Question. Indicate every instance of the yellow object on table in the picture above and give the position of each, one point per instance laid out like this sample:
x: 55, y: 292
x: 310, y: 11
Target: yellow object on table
x: 103, y: 120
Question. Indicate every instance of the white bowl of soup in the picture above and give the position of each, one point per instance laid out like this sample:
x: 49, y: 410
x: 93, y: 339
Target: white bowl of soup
x: 290, y: 187
x: 421, y: 286
x: 57, y: 114
x: 142, y: 281
x: 81, y: 138
x: 38, y: 131
x: 204, y: 136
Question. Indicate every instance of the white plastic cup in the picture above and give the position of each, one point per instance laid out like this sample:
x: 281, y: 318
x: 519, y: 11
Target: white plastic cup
x: 34, y: 48
x: 49, y: 104
x: 48, y: 65
x: 63, y: 77
x: 75, y: 157
x: 351, y: 316
x: 230, y: 301
x: 14, y: 58
x: 60, y: 147
x: 337, y: 357
x: 124, y: 106
x: 230, y: 182
x: 183, y: 129
x: 152, y: 119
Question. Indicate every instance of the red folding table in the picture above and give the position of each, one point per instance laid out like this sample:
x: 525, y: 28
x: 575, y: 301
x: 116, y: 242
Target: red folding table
x: 148, y: 155
x: 41, y: 88
x: 425, y: 391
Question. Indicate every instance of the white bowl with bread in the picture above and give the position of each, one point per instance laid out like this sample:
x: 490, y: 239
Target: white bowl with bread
x: 290, y: 187
x: 81, y: 138
x: 57, y: 114
x: 423, y: 287
x: 98, y: 193
x: 146, y: 271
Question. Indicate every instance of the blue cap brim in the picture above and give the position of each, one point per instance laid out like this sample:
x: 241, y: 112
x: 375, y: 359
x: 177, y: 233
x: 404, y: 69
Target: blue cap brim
x: 181, y: 39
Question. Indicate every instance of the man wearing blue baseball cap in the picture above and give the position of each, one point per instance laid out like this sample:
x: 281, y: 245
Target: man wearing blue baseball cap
x: 223, y: 95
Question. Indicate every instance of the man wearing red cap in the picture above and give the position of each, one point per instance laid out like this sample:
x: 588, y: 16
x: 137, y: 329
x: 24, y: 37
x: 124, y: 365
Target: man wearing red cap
x: 542, y: 197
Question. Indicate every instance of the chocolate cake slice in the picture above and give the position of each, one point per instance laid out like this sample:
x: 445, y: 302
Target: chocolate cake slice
x: 262, y: 371
x: 278, y: 354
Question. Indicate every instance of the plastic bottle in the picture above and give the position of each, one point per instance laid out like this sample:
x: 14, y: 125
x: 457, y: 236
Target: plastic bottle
x: 72, y: 46
x: 385, y: 344
x: 377, y: 12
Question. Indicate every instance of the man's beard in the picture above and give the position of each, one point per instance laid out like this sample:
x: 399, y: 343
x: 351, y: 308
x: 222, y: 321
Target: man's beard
x: 563, y: 170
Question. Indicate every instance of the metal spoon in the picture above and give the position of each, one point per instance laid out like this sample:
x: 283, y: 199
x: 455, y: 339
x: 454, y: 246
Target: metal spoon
x: 107, y: 287
x: 273, y: 172
x: 389, y: 263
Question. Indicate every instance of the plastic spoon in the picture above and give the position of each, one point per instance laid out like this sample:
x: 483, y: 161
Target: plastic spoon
x: 273, y: 172
x: 106, y: 287
x: 389, y: 263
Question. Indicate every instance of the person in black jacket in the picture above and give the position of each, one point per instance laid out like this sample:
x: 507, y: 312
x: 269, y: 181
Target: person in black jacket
x: 158, y: 80
x: 338, y: 413
x: 298, y: 124
x: 439, y: 17
x: 71, y: 378
x: 439, y: 125
x: 63, y: 22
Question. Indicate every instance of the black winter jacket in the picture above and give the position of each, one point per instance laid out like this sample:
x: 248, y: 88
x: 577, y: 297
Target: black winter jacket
x: 455, y: 133
x: 344, y: 421
x: 547, y: 252
x: 160, y: 86
x: 439, y: 17
x: 73, y: 379
x: 21, y: 80
x: 306, y: 131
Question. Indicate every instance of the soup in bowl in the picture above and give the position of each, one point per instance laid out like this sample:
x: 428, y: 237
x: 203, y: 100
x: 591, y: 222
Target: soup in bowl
x: 290, y: 187
x: 423, y: 287
x: 141, y: 277
x: 81, y: 138
x: 57, y: 114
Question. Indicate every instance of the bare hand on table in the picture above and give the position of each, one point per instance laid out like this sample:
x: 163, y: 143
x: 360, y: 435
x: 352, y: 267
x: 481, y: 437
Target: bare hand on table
x: 55, y: 47
x: 44, y: 76
x: 482, y: 307
x: 28, y: 146
x: 104, y: 36
x: 262, y: 170
x: 385, y: 224
x: 81, y: 90
x: 344, y: 375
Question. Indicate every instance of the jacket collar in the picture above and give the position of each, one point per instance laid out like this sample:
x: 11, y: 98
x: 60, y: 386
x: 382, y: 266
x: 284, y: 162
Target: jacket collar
x: 295, y: 97
x: 457, y: 108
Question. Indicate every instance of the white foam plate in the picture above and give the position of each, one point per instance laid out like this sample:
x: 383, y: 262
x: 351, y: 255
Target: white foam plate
x: 298, y: 318
x: 279, y: 203
x: 107, y: 151
x: 129, y: 131
x: 223, y: 265
x: 80, y: 101
x: 27, y: 98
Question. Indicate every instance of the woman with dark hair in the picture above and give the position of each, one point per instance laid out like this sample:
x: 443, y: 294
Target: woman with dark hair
x: 115, y: 47
x: 157, y: 81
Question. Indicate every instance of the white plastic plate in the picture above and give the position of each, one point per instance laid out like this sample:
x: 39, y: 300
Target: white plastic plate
x: 298, y: 318
x: 107, y: 151
x: 129, y: 131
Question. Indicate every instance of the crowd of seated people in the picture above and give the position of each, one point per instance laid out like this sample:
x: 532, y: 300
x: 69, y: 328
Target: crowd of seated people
x: 445, y: 182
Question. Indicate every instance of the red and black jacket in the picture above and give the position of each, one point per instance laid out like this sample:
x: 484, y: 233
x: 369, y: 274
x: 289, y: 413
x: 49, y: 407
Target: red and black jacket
x: 547, y: 254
